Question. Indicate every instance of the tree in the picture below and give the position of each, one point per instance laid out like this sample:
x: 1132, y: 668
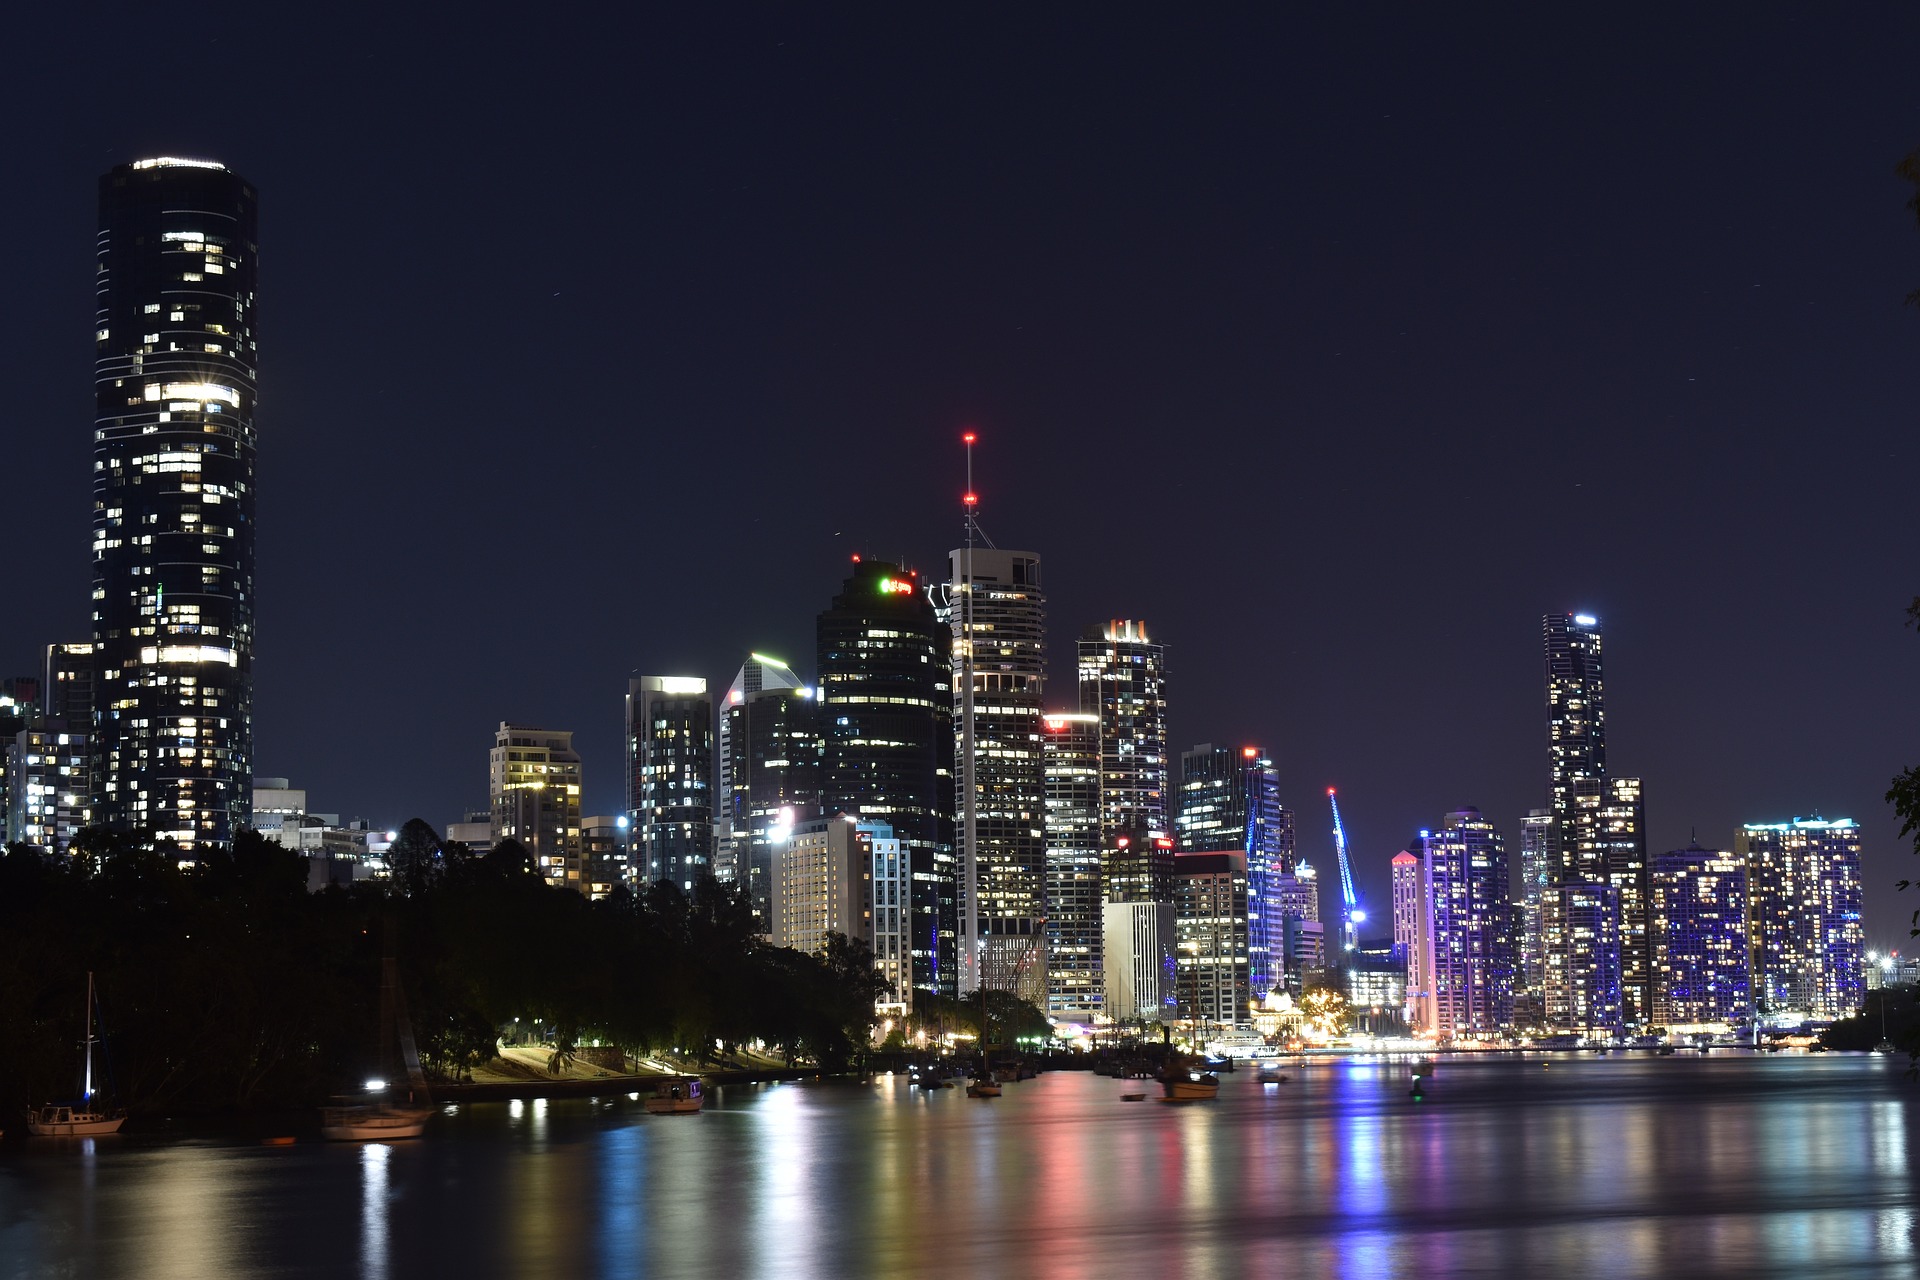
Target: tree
x: 1325, y: 1010
x: 414, y: 854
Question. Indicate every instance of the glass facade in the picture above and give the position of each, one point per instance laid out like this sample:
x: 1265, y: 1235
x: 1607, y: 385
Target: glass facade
x: 770, y: 761
x: 1123, y: 680
x: 1804, y: 930
x: 1700, y: 937
x: 173, y: 513
x: 886, y: 705
x: 1471, y: 958
x: 670, y: 777
x: 1071, y: 743
x: 1230, y: 799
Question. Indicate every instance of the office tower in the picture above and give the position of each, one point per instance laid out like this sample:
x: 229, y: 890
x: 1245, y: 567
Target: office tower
x: 1300, y: 936
x: 770, y: 762
x: 534, y: 783
x: 1138, y: 962
x: 1139, y: 868
x: 1582, y: 927
x: 1212, y: 953
x: 1377, y: 988
x: 1070, y: 743
x: 1699, y: 937
x: 1230, y: 799
x: 886, y: 701
x: 1804, y: 931
x: 1469, y: 961
x: 1539, y: 856
x: 669, y: 744
x: 173, y: 501
x: 1123, y: 681
x: 999, y: 620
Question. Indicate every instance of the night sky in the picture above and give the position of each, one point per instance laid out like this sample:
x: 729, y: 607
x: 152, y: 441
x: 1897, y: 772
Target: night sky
x: 1338, y: 348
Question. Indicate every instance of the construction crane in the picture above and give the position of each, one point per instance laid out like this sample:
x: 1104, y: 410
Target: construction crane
x: 1351, y: 916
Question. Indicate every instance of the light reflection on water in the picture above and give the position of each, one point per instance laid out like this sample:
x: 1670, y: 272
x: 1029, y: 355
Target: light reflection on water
x: 1599, y: 1166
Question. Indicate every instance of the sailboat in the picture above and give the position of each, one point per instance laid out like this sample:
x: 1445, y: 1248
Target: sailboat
x: 77, y: 1119
x: 384, y: 1119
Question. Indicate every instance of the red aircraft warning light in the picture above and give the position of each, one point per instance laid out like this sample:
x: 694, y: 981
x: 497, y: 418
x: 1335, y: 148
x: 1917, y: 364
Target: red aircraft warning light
x: 968, y: 438
x: 971, y: 499
x: 1249, y: 752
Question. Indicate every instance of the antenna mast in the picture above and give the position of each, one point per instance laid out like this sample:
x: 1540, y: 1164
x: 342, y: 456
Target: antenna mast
x: 970, y: 977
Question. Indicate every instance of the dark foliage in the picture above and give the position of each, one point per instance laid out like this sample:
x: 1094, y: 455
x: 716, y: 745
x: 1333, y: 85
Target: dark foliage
x: 228, y: 984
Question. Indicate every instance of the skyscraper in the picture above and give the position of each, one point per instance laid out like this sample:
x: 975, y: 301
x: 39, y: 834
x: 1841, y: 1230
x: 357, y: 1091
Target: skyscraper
x: 1211, y: 951
x: 669, y: 744
x: 1123, y: 681
x: 1230, y: 799
x: 1700, y: 937
x: 1582, y: 926
x: 886, y: 699
x: 1803, y: 888
x: 770, y: 761
x: 173, y: 510
x: 534, y: 784
x: 1539, y: 857
x: 1599, y: 831
x: 999, y: 621
x: 1469, y: 964
x: 1071, y: 743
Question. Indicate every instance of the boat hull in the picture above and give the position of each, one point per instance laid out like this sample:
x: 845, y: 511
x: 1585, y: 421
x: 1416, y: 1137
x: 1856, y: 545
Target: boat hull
x: 672, y: 1106
x: 73, y: 1125
x: 371, y: 1124
x: 1188, y: 1091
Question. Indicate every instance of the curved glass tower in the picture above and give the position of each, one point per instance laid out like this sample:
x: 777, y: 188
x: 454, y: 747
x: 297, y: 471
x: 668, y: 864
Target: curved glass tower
x: 173, y: 501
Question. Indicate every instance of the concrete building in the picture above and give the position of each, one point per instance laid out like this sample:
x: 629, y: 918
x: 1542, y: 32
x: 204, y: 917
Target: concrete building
x: 534, y: 784
x: 1139, y: 966
x: 1213, y: 979
x: 835, y: 875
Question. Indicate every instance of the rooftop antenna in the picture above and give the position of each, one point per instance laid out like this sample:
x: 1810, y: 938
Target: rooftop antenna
x: 970, y: 957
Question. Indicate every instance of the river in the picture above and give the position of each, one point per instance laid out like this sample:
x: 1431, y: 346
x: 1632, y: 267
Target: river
x: 1732, y: 1164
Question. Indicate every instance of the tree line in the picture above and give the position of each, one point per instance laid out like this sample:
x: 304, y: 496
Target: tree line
x: 225, y: 984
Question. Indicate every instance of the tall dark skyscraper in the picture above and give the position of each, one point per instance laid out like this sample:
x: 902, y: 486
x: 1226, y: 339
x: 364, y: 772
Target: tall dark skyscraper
x: 886, y: 702
x: 1598, y: 839
x: 670, y: 777
x: 1074, y: 874
x: 173, y: 507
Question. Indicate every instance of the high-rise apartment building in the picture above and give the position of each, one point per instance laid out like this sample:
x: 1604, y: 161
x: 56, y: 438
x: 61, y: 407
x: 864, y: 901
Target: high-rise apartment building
x: 1700, y: 969
x: 1138, y: 966
x: 769, y: 774
x: 1469, y: 961
x: 1576, y: 709
x: 1070, y: 742
x: 534, y: 784
x: 47, y: 800
x: 68, y: 687
x: 606, y: 855
x: 1539, y: 858
x: 997, y: 610
x: 886, y: 702
x: 1582, y: 927
x: 1413, y: 934
x: 173, y: 501
x: 1212, y: 956
x: 1804, y: 930
x: 1230, y: 799
x: 1123, y: 680
x: 834, y: 875
x: 669, y: 746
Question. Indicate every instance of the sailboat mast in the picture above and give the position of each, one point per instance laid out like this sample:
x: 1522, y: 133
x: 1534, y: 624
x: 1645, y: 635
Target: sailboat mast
x: 86, y: 1023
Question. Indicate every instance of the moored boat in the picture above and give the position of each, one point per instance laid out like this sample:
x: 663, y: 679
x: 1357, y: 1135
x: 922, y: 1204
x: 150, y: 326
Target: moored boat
x: 676, y: 1096
x: 373, y: 1122
x: 79, y: 1119
x: 983, y: 1089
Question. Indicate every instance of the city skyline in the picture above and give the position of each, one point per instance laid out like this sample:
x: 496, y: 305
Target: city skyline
x: 1322, y: 700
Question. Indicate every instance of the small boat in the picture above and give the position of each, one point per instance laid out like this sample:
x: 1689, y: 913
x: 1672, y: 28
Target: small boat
x: 676, y: 1096
x: 1186, y: 1087
x: 1664, y: 1051
x: 78, y: 1119
x: 984, y: 1089
x: 380, y: 1118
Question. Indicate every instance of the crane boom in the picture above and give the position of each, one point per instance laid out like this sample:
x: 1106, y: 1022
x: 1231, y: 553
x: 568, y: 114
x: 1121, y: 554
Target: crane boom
x: 1350, y: 913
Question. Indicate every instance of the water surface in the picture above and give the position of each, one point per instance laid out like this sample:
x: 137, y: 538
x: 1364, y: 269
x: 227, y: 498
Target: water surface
x: 1587, y: 1166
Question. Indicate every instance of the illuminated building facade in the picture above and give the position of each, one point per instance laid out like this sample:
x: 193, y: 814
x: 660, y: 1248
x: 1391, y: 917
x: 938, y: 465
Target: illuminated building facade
x: 606, y: 855
x: 1212, y: 959
x: 886, y: 706
x: 1001, y: 616
x: 1470, y: 962
x: 1301, y: 935
x: 1413, y: 936
x: 770, y: 761
x: 1700, y: 937
x: 1582, y: 924
x: 1139, y: 967
x: 1230, y: 799
x: 1805, y: 938
x: 834, y: 875
x: 1122, y: 676
x: 1539, y: 855
x: 68, y: 687
x: 173, y: 510
x: 534, y: 784
x: 1070, y: 742
x: 669, y: 747
x: 47, y: 796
